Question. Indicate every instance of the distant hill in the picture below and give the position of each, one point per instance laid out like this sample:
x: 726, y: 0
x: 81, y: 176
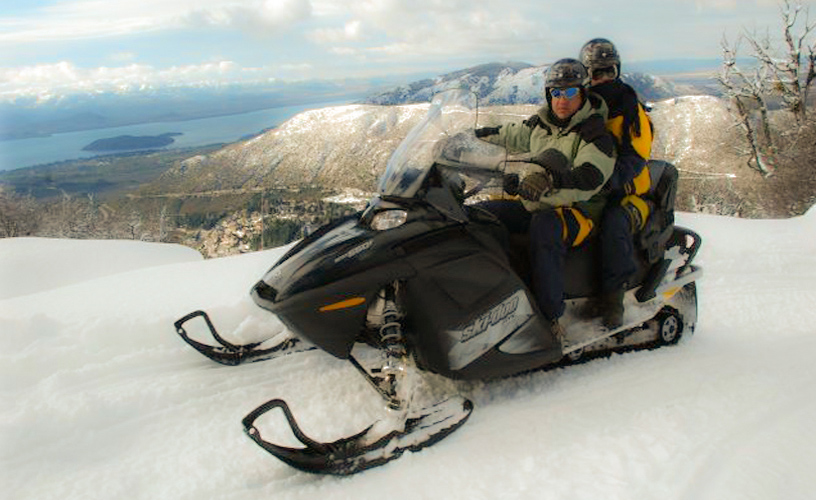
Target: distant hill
x: 127, y: 142
x: 506, y: 83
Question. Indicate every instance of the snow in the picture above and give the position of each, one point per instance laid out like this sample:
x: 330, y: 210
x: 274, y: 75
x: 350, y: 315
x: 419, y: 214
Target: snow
x: 102, y: 400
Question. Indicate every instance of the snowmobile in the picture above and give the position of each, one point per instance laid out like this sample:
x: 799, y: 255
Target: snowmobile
x: 427, y: 281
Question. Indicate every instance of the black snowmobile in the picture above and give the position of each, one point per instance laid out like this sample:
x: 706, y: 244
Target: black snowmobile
x: 426, y: 282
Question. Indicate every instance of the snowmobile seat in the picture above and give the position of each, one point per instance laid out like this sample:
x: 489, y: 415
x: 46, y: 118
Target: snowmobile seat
x: 659, y: 226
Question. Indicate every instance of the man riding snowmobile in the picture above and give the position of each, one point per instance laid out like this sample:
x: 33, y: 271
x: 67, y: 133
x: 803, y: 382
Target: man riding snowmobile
x: 561, y: 195
x: 418, y: 283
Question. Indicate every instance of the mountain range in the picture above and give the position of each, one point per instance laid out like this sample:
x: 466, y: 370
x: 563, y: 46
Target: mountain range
x: 507, y: 83
x: 349, y: 146
x: 496, y: 83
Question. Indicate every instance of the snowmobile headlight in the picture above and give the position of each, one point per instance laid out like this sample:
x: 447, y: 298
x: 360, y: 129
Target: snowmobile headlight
x: 388, y: 219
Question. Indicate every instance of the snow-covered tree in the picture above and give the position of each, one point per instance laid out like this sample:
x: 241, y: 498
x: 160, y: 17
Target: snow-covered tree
x: 782, y: 71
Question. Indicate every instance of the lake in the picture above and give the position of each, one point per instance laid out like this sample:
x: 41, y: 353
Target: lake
x: 21, y: 153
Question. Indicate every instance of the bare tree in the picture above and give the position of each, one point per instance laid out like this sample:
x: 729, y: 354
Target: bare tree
x: 163, y: 224
x: 18, y: 215
x: 134, y: 225
x: 786, y: 77
x: 793, y: 71
x: 747, y: 92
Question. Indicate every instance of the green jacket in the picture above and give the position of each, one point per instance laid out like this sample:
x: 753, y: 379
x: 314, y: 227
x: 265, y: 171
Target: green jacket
x: 585, y: 142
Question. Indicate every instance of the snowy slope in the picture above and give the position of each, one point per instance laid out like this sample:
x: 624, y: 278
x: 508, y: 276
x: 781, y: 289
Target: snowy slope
x: 102, y: 400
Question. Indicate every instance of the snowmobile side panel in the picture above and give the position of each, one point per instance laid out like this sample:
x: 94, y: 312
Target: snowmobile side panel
x: 470, y: 302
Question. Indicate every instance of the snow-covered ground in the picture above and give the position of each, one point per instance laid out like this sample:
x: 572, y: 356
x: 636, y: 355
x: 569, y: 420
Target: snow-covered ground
x: 101, y: 399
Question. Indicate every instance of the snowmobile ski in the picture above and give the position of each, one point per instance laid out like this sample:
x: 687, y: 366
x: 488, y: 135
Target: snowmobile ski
x: 231, y: 354
x: 376, y: 445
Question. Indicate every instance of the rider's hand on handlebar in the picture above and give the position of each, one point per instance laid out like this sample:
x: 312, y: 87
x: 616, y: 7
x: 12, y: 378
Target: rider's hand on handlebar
x: 535, y: 185
x: 510, y: 184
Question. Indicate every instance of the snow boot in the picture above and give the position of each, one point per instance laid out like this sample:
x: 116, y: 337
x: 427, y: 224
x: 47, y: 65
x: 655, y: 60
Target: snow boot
x: 612, y: 309
x: 590, y: 309
x: 557, y: 330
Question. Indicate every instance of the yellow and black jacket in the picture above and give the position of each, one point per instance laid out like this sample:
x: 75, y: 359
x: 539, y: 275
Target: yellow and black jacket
x: 633, y: 131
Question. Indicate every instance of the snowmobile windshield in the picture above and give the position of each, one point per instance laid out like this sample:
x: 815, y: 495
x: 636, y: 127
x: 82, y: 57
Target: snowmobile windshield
x: 444, y: 138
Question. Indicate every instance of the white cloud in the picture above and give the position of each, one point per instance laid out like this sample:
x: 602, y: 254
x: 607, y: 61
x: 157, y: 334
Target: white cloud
x: 430, y: 27
x: 267, y: 17
x: 328, y: 38
x: 53, y: 80
x: 82, y: 19
x: 78, y: 19
x: 351, y: 31
x: 736, y: 5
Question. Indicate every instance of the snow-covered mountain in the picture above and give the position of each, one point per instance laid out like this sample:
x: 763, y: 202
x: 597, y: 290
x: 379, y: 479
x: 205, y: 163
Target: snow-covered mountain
x: 102, y: 400
x: 349, y: 146
x: 506, y: 83
x: 85, y: 102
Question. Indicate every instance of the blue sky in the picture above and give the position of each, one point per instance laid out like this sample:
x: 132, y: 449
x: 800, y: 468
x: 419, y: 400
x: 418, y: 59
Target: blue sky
x: 59, y: 45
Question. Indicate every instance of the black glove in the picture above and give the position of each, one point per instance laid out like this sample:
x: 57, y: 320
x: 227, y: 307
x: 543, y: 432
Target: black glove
x: 486, y: 131
x: 535, y: 185
x: 552, y: 160
x: 555, y: 164
x: 510, y: 184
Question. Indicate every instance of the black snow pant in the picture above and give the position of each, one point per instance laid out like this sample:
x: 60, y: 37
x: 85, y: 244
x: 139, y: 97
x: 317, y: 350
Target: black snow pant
x: 617, y: 249
x: 547, y: 250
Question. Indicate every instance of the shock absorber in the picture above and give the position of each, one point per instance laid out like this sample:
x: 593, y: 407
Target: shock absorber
x: 394, y: 349
x: 384, y: 318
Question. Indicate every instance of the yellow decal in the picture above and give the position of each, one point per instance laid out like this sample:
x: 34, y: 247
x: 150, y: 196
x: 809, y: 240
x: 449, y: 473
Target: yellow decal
x: 343, y: 304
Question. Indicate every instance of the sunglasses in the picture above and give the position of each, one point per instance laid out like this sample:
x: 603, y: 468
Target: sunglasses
x: 569, y: 93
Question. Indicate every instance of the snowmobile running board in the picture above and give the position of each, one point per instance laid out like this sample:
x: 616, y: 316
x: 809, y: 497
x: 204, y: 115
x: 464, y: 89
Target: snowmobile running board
x: 232, y: 354
x: 579, y: 333
x: 378, y: 444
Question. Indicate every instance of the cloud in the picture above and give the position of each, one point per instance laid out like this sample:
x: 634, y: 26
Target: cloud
x: 84, y: 19
x: 341, y: 38
x: 267, y: 17
x: 79, y: 19
x: 430, y: 27
x: 351, y: 31
x: 736, y: 5
x: 46, y: 81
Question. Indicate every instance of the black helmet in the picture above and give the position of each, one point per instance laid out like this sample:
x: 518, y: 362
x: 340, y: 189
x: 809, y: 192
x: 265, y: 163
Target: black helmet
x: 567, y: 73
x: 600, y: 54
